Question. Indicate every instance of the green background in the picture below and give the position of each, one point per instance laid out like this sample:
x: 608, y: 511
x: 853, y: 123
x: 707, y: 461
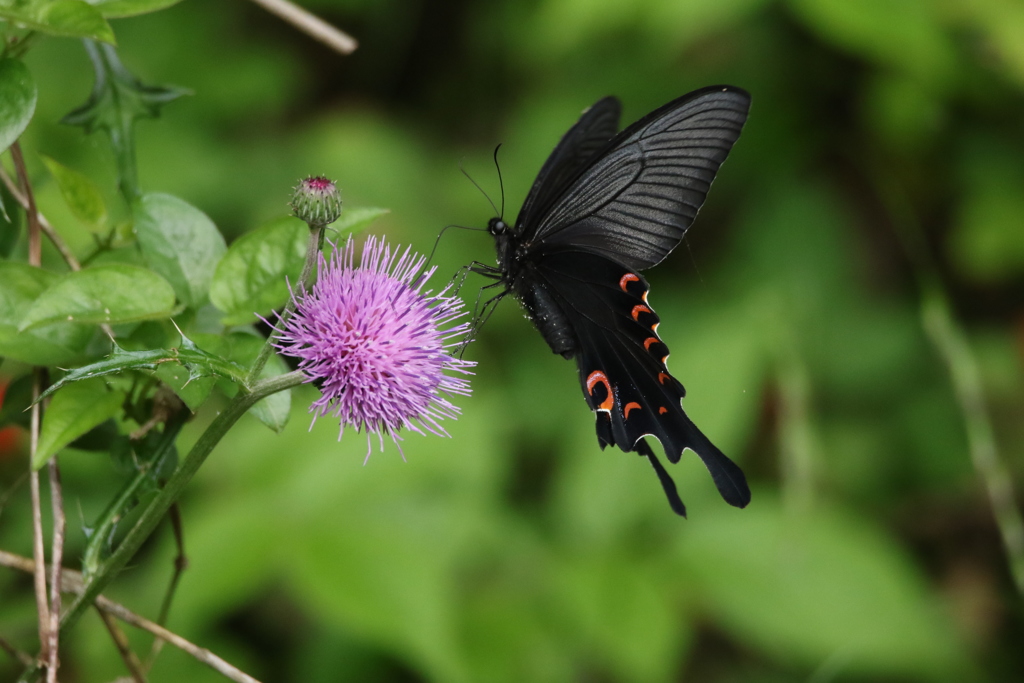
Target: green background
x: 517, y: 550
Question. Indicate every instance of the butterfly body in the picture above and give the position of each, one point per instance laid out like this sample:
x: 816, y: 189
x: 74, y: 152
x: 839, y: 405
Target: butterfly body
x: 604, y: 206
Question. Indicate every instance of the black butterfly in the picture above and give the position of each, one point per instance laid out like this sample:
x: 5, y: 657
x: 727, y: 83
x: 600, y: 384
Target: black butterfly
x: 604, y: 206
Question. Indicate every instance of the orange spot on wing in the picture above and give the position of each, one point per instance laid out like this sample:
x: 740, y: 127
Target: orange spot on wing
x: 630, y: 406
x: 662, y: 410
x: 644, y: 296
x: 664, y: 377
x: 598, y: 377
x: 638, y: 309
x: 649, y: 341
x: 626, y: 279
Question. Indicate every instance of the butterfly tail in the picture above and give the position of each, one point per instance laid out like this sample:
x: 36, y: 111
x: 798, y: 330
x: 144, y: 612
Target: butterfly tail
x: 674, y: 501
x: 728, y: 477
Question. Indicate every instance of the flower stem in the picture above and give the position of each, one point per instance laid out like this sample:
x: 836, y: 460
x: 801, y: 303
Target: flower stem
x: 312, y: 253
x: 158, y: 507
x: 101, y: 533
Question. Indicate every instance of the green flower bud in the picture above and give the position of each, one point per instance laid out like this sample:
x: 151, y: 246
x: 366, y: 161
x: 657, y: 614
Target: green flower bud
x: 316, y: 201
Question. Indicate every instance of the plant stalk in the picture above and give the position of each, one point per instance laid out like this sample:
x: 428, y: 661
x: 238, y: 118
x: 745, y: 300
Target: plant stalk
x: 158, y: 507
x: 312, y: 253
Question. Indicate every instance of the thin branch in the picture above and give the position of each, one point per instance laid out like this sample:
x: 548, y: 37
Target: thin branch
x: 59, y: 525
x: 35, y: 243
x: 131, y: 661
x: 44, y: 224
x: 72, y: 582
x: 24, y: 658
x: 180, y: 565
x: 951, y: 342
x: 311, y: 24
x: 39, y: 571
x: 35, y: 258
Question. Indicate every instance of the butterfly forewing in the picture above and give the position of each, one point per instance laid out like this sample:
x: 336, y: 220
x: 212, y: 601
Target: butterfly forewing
x: 575, y: 151
x: 637, y: 197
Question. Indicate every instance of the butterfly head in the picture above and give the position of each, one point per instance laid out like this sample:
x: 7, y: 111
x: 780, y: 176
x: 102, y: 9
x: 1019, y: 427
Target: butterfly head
x: 496, y: 227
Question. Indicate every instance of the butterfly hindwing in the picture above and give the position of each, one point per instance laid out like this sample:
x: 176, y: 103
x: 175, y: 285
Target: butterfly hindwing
x: 637, y: 197
x: 622, y: 366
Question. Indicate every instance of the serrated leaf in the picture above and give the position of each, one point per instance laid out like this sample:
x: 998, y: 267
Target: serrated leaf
x: 190, y: 389
x: 117, y: 99
x: 72, y: 412
x: 70, y: 18
x: 82, y: 195
x: 274, y: 410
x: 20, y: 286
x: 129, y: 8
x: 198, y: 362
x: 358, y: 218
x: 18, y: 95
x: 179, y: 242
x: 110, y: 294
x: 253, y: 276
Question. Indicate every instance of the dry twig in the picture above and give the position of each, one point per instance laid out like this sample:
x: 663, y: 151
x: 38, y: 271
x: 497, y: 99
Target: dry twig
x: 59, y: 525
x: 71, y: 582
x: 35, y: 258
x: 311, y: 24
x: 44, y: 225
x: 123, y: 646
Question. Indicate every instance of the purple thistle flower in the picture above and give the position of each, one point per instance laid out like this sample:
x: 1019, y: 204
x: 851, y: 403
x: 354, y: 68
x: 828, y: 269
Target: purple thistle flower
x: 373, y: 342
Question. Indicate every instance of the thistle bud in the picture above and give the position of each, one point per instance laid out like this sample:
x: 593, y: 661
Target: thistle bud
x: 316, y: 201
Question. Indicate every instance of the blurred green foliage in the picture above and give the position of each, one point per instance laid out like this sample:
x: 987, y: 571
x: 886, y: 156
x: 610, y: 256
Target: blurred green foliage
x: 517, y: 550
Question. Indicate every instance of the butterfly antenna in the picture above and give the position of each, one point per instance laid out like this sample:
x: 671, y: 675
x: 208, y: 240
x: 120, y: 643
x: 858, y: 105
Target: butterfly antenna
x: 501, y: 184
x: 477, y: 186
x: 438, y: 239
x: 693, y: 260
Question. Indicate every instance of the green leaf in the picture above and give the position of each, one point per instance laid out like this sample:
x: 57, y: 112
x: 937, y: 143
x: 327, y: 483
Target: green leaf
x: 253, y: 276
x: 358, y: 218
x: 73, y: 412
x: 71, y: 18
x: 18, y: 94
x: 274, y: 410
x: 20, y: 286
x: 130, y: 8
x: 81, y: 194
x: 198, y: 362
x: 906, y: 34
x: 179, y: 242
x: 819, y: 585
x: 117, y: 99
x: 104, y: 294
